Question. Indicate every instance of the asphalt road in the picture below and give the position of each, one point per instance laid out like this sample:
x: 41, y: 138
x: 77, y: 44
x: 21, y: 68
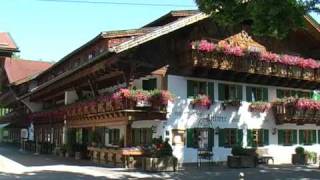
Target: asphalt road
x: 15, y: 164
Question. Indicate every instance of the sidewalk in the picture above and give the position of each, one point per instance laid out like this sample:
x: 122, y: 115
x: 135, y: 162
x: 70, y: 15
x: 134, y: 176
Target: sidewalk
x: 24, y: 165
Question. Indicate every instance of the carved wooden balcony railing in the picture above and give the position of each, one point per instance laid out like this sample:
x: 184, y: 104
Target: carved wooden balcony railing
x: 250, y: 64
x: 289, y: 113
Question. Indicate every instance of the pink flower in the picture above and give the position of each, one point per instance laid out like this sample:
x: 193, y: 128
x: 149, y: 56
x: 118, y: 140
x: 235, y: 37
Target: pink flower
x: 206, y: 46
x: 269, y: 57
x: 236, y: 51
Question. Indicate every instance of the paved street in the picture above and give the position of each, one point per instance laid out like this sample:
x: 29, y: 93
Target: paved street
x: 23, y: 165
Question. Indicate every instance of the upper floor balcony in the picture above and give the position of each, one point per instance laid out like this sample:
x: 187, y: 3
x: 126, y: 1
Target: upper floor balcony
x: 299, y: 111
x: 251, y: 59
x: 124, y: 104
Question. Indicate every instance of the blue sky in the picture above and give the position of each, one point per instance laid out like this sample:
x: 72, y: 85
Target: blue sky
x: 49, y: 30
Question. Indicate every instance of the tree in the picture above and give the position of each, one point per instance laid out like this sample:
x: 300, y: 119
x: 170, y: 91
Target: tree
x: 274, y: 18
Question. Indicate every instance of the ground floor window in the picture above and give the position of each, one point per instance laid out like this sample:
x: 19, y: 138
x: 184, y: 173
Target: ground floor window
x: 257, y: 137
x: 114, y: 136
x: 307, y: 137
x: 287, y: 137
x: 178, y: 137
x: 230, y: 137
x: 200, y: 138
x: 141, y: 136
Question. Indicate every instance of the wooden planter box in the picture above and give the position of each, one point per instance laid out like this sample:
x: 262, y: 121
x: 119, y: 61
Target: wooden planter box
x: 308, y: 74
x: 160, y: 164
x: 242, y: 161
x: 299, y: 159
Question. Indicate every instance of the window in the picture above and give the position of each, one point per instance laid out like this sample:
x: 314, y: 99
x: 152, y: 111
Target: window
x: 114, y: 136
x: 307, y: 137
x: 229, y: 92
x: 287, y: 137
x: 178, y: 137
x: 230, y: 137
x: 149, y: 84
x: 257, y: 94
x: 194, y: 88
x: 141, y: 136
x: 283, y: 93
x: 257, y: 137
x: 79, y: 136
x: 200, y: 138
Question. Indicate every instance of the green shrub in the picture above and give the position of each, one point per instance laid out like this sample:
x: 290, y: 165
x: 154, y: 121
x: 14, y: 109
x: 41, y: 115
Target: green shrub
x: 299, y: 150
x: 238, y: 151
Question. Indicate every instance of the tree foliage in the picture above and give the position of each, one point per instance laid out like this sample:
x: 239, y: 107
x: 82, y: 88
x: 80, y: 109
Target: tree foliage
x: 274, y: 18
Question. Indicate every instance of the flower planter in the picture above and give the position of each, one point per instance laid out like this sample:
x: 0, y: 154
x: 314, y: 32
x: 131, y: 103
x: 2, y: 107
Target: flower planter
x: 159, y: 164
x: 242, y: 161
x: 299, y: 159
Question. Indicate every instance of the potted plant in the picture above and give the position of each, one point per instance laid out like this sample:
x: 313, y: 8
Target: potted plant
x: 160, y: 158
x: 311, y: 157
x: 300, y: 156
x: 242, y: 158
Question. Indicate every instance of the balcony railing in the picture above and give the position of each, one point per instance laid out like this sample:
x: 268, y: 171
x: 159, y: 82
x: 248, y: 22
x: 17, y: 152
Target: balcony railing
x: 298, y: 111
x: 250, y: 64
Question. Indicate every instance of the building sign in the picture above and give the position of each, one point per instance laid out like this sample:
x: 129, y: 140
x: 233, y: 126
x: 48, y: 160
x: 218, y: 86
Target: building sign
x: 31, y: 132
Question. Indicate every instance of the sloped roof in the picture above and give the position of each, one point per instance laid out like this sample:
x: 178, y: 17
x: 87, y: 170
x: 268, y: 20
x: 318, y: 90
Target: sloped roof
x: 19, y: 71
x: 7, y: 43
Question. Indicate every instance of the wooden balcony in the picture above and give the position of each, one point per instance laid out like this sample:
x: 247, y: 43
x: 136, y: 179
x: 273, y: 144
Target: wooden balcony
x: 288, y: 113
x: 249, y: 69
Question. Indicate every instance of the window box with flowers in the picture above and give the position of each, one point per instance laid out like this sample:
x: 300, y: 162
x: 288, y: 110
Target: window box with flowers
x: 159, y: 99
x: 259, y: 107
x: 201, y: 102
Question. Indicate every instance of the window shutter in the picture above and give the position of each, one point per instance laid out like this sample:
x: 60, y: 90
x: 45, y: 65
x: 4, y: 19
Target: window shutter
x: 318, y: 136
x: 294, y: 136
x: 280, y: 136
x: 211, y: 90
x: 279, y: 93
x: 221, y: 138
x: 314, y: 137
x: 248, y: 93
x: 239, y: 137
x: 210, y: 138
x: 239, y: 92
x: 190, y: 135
x: 265, y: 137
x: 301, y: 137
x: 265, y: 94
x: 190, y: 89
x: 221, y: 94
x: 249, y: 138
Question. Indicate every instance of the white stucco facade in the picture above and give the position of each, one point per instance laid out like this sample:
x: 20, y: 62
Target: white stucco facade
x: 182, y: 116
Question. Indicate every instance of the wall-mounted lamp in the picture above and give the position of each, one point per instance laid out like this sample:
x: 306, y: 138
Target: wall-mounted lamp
x: 216, y: 130
x: 274, y: 131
